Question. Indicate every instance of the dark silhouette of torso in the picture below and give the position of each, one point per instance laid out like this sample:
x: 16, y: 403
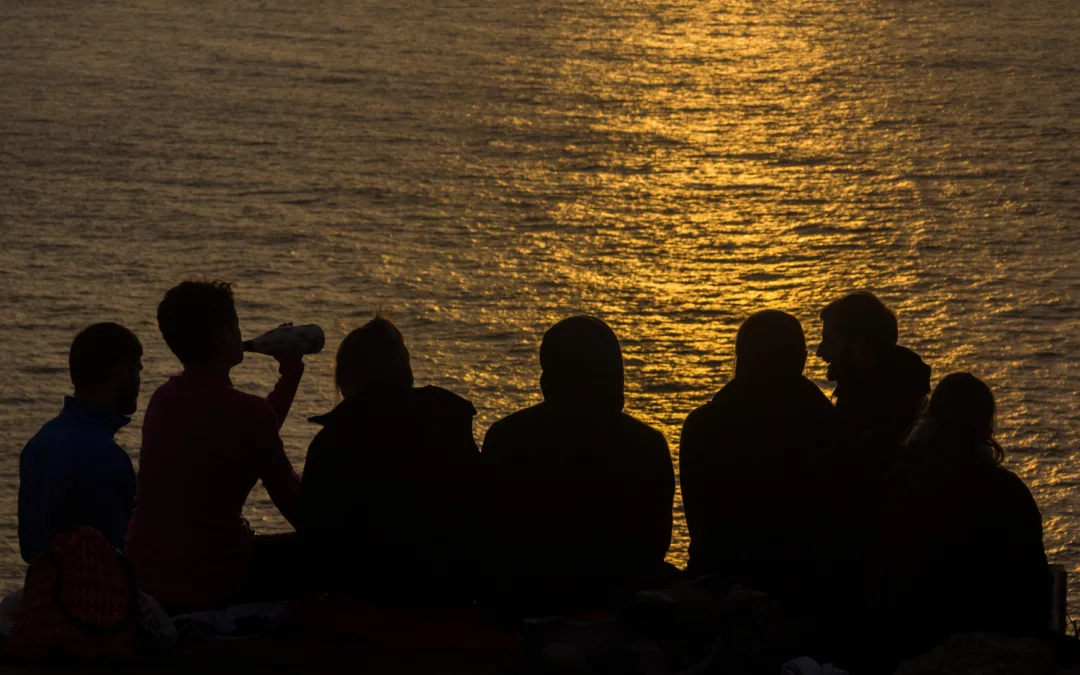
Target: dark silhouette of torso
x: 582, y: 499
x: 389, y: 499
x: 959, y: 549
x: 883, y: 404
x: 767, y: 482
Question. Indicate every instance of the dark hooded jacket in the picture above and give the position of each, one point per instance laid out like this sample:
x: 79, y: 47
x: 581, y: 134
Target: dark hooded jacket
x: 389, y: 499
x: 882, y: 405
x: 581, y: 491
x: 768, y: 484
x: 959, y: 549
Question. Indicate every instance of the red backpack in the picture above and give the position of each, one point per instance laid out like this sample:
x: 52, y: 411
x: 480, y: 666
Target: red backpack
x: 80, y: 601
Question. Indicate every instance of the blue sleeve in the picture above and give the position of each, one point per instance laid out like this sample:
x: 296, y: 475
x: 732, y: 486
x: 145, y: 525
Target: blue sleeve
x: 68, y: 479
x: 41, y: 495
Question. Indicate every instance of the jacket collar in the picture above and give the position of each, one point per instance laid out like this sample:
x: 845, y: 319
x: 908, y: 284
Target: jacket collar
x: 86, y: 412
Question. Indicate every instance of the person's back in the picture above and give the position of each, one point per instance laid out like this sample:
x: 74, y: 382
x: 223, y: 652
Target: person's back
x: 762, y: 468
x: 72, y: 472
x: 960, y: 537
x: 200, y: 460
x: 582, y: 492
x: 885, y: 402
x: 389, y: 496
x: 205, y: 445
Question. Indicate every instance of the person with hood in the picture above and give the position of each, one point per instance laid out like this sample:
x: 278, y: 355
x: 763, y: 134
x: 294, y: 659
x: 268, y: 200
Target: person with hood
x: 581, y: 491
x: 881, y: 387
x: 764, y: 469
x: 389, y: 496
x: 960, y: 545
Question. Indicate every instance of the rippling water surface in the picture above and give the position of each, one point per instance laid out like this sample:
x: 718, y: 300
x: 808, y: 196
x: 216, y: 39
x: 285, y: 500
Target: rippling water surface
x: 482, y: 168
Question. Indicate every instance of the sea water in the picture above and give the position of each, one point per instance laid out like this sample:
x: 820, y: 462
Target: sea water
x: 478, y: 169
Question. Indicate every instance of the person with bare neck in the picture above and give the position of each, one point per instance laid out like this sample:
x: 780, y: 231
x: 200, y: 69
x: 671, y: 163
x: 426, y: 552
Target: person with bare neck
x: 73, y: 472
x: 205, y: 445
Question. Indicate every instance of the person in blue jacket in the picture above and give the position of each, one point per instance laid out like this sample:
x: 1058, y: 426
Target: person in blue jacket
x: 73, y: 472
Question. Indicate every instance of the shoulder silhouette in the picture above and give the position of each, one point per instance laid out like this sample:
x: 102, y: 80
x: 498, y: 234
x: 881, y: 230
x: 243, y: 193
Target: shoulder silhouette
x: 763, y: 468
x: 581, y: 491
x: 389, y: 502
x: 960, y: 538
x: 881, y: 387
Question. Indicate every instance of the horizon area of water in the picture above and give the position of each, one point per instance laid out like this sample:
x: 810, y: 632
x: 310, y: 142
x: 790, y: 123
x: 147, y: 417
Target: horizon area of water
x: 480, y: 169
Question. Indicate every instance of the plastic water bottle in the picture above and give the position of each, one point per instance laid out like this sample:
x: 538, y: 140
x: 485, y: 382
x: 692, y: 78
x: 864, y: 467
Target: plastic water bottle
x: 307, y: 339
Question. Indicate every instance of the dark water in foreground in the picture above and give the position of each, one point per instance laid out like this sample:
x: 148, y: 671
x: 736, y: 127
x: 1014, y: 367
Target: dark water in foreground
x: 479, y: 169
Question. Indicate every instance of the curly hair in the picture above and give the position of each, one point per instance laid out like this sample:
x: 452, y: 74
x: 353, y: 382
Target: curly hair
x: 191, y: 315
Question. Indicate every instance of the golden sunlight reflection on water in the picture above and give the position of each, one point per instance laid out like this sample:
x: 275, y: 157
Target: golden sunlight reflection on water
x: 483, y: 170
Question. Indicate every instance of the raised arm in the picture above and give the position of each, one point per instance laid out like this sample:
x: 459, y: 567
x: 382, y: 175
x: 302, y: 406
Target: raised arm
x: 275, y: 470
x: 290, y: 369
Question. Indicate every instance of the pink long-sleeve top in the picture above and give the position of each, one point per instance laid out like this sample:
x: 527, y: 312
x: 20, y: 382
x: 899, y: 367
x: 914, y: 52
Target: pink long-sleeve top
x: 205, y: 445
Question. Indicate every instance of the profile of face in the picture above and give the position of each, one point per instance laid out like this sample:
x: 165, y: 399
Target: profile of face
x: 846, y: 355
x: 232, y: 342
x: 832, y: 347
x: 126, y: 383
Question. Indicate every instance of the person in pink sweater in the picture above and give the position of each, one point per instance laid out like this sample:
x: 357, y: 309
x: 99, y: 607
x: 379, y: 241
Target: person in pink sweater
x: 205, y: 445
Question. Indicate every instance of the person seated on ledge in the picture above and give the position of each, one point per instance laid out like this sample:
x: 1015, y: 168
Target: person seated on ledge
x: 205, y: 445
x: 581, y: 491
x: 763, y: 468
x: 388, y: 498
x: 881, y: 387
x: 960, y: 545
x: 73, y: 472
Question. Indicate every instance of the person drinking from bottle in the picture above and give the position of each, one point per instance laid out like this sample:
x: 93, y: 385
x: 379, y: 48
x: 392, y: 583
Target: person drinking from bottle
x: 205, y: 445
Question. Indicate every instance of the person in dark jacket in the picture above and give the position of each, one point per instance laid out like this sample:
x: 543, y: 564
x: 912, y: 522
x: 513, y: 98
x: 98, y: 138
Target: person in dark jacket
x: 389, y: 502
x: 764, y: 469
x: 581, y: 491
x: 881, y: 387
x: 960, y: 544
x: 73, y: 472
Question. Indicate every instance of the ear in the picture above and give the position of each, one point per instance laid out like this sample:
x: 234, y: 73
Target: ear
x: 121, y: 371
x: 861, y: 352
x: 802, y: 362
x: 224, y: 335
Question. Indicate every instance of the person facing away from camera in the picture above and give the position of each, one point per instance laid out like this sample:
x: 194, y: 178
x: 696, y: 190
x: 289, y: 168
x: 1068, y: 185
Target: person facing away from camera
x: 765, y: 471
x: 881, y: 387
x: 960, y: 545
x: 389, y: 496
x: 72, y: 472
x: 205, y: 445
x: 581, y: 491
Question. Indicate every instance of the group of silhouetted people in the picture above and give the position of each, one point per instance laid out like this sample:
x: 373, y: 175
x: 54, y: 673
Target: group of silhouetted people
x: 890, y: 507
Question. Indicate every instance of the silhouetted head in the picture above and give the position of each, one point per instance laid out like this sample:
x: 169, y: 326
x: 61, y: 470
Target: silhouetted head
x: 770, y: 344
x: 199, y: 323
x: 962, y: 409
x: 105, y: 361
x: 856, y: 332
x: 582, y: 365
x: 371, y: 359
